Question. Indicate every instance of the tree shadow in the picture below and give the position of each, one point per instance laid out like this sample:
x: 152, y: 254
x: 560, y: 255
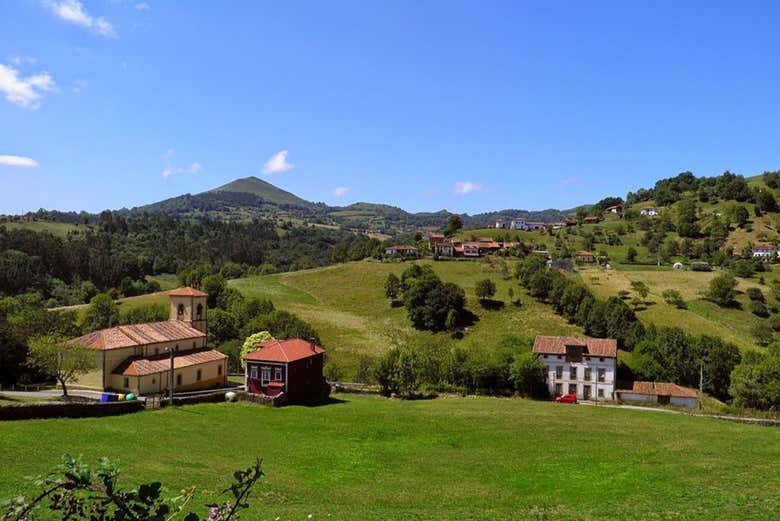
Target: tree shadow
x: 330, y: 400
x: 491, y: 304
x: 396, y: 304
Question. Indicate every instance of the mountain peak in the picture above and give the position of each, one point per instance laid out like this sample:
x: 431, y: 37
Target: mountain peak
x: 262, y: 189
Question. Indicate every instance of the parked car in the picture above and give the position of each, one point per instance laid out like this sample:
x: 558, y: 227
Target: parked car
x: 566, y: 398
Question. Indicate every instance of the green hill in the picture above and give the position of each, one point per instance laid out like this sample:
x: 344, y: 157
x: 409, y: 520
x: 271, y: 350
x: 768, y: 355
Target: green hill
x: 264, y: 190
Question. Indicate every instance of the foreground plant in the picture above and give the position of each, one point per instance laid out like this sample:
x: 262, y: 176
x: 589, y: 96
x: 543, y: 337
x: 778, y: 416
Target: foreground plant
x: 73, y: 491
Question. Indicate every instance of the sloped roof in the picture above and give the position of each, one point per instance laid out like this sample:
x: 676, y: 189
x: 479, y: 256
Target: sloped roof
x: 161, y: 363
x: 187, y: 292
x: 556, y: 345
x: 284, y: 350
x: 138, y: 335
x: 661, y: 389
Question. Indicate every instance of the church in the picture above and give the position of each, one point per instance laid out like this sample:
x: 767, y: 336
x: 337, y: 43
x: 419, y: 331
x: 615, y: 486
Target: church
x: 136, y: 358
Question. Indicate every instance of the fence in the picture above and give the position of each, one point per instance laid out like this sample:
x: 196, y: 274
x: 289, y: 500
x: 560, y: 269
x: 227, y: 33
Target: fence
x: 27, y: 388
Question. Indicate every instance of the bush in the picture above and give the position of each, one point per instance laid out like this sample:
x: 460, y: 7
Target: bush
x: 755, y: 294
x: 759, y: 309
x: 232, y: 270
x: 144, y: 314
x: 762, y: 332
x: 722, y: 289
x: 485, y: 289
x: 673, y: 298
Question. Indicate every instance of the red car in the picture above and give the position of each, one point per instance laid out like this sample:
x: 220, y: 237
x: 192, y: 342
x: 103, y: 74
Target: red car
x: 566, y: 398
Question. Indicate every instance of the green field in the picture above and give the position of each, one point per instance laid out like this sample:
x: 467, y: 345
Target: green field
x: 369, y: 458
x: 55, y: 228
x: 347, y: 307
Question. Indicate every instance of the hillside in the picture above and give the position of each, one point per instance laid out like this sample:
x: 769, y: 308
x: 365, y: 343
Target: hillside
x: 264, y: 190
x: 470, y: 458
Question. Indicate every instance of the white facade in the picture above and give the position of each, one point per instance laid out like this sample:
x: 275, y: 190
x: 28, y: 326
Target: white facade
x: 679, y: 401
x: 592, y: 378
x: 648, y: 211
x: 518, y: 224
x: 763, y: 252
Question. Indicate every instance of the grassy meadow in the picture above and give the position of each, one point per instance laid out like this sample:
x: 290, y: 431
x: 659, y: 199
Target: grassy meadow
x: 347, y: 306
x: 370, y: 458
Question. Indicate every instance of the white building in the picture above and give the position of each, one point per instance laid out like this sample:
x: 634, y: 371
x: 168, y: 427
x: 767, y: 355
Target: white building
x: 659, y: 392
x: 764, y: 251
x: 518, y: 223
x: 652, y: 211
x: 586, y: 367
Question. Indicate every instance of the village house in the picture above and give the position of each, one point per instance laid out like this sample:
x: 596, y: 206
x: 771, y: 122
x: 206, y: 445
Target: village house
x: 764, y: 251
x: 584, y: 257
x: 444, y: 249
x: 592, y: 219
x: 137, y: 358
x: 617, y: 209
x: 293, y: 367
x: 650, y: 211
x: 402, y: 250
x: 434, y: 239
x: 659, y: 392
x: 585, y: 367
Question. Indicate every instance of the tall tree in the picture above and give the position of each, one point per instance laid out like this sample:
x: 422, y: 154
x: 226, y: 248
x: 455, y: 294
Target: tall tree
x: 63, y: 360
x: 101, y: 313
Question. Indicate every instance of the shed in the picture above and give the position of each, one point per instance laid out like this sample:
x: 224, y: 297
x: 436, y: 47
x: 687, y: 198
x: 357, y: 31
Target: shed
x: 664, y: 393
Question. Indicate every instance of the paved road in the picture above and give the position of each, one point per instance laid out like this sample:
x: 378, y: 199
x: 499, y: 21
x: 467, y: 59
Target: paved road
x: 52, y: 393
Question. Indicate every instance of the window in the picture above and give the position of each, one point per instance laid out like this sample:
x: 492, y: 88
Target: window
x: 560, y: 357
x: 198, y: 375
x: 176, y: 348
x: 572, y: 373
x: 265, y: 375
x: 200, y: 311
x: 278, y: 374
x: 180, y: 310
x: 572, y: 388
x: 544, y: 356
x: 157, y: 350
x: 178, y: 379
x: 601, y: 359
x: 601, y: 393
x: 602, y: 374
x: 586, y: 392
x: 558, y: 389
x: 194, y: 345
x: 559, y: 371
x: 127, y: 383
x: 219, y: 370
x: 154, y: 381
x: 253, y: 372
x: 587, y: 374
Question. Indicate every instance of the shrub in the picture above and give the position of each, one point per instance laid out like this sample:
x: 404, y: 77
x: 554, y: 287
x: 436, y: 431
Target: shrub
x: 722, y: 289
x: 759, y: 309
x: 673, y: 298
x: 485, y: 289
x: 755, y: 294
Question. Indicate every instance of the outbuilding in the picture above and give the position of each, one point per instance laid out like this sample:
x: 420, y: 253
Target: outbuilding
x: 293, y: 367
x: 663, y: 393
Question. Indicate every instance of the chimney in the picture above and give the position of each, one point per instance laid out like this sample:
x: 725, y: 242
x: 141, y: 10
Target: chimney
x: 312, y: 345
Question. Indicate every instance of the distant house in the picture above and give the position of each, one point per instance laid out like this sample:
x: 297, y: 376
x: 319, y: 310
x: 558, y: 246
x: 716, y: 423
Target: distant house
x: 137, y: 358
x: 584, y: 257
x: 562, y: 224
x: 293, y: 367
x: 433, y: 239
x: 764, y: 251
x: 617, y: 209
x: 585, y: 367
x: 650, y: 211
x: 535, y: 225
x: 480, y: 247
x: 592, y: 219
x: 659, y: 392
x: 402, y: 250
x: 518, y: 223
x: 502, y: 223
x: 444, y: 249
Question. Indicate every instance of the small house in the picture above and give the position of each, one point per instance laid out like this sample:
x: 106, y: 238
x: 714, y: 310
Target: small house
x: 617, y: 209
x: 592, y: 219
x: 650, y: 211
x: 403, y: 250
x: 763, y: 251
x: 585, y: 367
x: 535, y: 225
x: 584, y: 257
x: 293, y: 367
x: 659, y: 392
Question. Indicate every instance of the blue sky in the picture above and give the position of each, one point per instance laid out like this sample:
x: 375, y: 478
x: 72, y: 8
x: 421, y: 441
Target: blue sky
x: 469, y: 106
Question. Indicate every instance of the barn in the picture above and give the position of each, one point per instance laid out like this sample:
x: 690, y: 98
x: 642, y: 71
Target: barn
x: 659, y: 392
x: 293, y: 367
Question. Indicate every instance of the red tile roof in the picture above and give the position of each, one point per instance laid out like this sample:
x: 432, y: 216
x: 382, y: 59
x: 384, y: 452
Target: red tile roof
x: 139, y: 335
x: 162, y: 363
x: 187, y: 292
x: 556, y: 345
x: 284, y: 351
x: 661, y: 389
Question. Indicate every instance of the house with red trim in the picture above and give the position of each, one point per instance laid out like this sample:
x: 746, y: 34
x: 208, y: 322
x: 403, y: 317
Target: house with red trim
x: 291, y: 367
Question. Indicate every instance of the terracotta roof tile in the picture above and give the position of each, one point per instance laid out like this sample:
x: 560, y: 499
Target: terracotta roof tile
x: 161, y: 363
x: 139, y: 334
x: 187, y: 292
x: 556, y: 345
x: 284, y: 350
x: 661, y: 389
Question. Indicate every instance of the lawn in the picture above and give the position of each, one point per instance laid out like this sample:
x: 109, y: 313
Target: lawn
x: 347, y: 307
x: 55, y: 228
x: 369, y: 458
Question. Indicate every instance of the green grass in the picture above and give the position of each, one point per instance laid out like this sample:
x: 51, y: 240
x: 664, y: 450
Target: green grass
x: 347, y: 307
x: 55, y: 228
x: 369, y: 458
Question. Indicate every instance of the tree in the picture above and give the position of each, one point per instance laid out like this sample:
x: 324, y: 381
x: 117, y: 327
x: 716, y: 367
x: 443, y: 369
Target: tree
x: 686, y: 218
x: 144, y: 314
x: 283, y: 325
x: 454, y: 223
x: 213, y: 285
x: 754, y: 380
x: 641, y: 288
x: 631, y: 254
x: 755, y: 294
x: 722, y: 289
x: 762, y: 332
x: 527, y: 374
x: 392, y: 286
x: 741, y: 215
x: 673, y: 298
x: 252, y: 342
x: 223, y: 325
x: 485, y: 289
x: 63, y: 360
x: 101, y: 313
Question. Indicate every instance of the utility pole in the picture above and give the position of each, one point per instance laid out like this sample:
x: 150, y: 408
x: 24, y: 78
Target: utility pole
x: 701, y: 384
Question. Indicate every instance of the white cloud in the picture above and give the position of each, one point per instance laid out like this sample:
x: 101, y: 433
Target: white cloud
x: 25, y: 92
x: 466, y: 187
x: 339, y: 191
x: 142, y: 6
x: 18, y: 161
x: 20, y: 60
x: 169, y: 170
x: 277, y: 163
x: 73, y: 11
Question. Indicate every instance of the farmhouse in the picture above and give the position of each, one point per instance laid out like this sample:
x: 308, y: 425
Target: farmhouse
x: 584, y: 257
x: 292, y: 367
x: 592, y: 219
x: 137, y: 358
x: 764, y: 251
x: 650, y: 211
x: 659, y: 392
x: 585, y: 367
x: 402, y: 251
x: 617, y: 209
